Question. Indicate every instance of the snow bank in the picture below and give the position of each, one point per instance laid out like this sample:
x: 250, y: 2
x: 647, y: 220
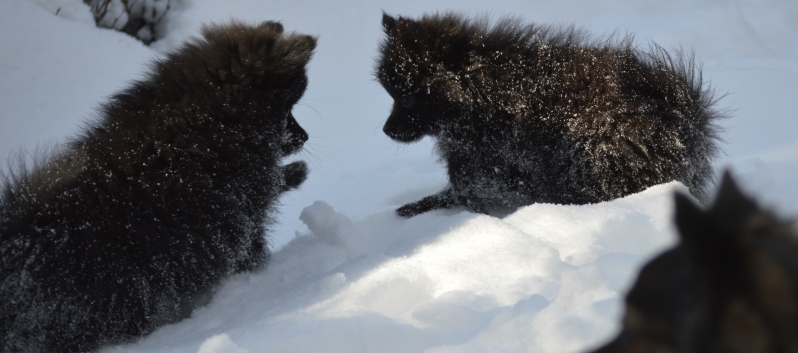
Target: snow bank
x: 220, y: 344
x: 546, y: 278
x: 69, y: 9
x: 54, y: 71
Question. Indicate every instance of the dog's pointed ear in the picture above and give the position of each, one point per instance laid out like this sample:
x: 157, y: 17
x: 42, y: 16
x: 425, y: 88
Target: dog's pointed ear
x: 712, y: 237
x: 388, y: 23
x: 730, y: 203
x: 690, y: 219
x: 273, y: 25
x: 304, y: 47
x: 708, y: 248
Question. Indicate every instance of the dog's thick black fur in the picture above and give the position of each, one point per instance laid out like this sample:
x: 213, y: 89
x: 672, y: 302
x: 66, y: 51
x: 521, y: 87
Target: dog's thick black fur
x: 731, y: 285
x: 526, y: 113
x: 167, y: 192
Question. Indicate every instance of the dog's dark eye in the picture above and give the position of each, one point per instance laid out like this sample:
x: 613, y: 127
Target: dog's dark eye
x: 408, y: 101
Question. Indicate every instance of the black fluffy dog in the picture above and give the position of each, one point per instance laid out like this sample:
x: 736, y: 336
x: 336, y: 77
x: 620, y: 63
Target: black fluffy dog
x: 730, y: 286
x: 169, y: 191
x: 526, y: 113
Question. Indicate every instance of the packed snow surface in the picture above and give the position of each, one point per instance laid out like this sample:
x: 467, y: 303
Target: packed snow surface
x: 347, y: 274
x: 545, y: 278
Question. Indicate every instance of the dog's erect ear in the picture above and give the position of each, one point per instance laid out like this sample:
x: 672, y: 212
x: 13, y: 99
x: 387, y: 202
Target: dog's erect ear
x: 388, y: 23
x: 712, y: 237
x: 690, y: 220
x: 731, y: 206
x: 305, y: 48
x: 275, y: 26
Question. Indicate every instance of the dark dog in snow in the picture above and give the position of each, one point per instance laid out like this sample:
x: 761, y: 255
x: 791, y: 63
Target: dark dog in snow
x: 525, y: 113
x: 166, y: 193
x: 731, y: 285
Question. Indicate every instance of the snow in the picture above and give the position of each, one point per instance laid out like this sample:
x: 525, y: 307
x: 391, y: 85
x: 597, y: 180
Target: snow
x: 220, y: 344
x: 442, y: 281
x: 347, y: 275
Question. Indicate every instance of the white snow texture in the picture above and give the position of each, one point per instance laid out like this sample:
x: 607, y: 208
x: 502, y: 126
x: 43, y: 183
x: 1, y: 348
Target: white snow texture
x: 347, y: 274
x: 220, y: 344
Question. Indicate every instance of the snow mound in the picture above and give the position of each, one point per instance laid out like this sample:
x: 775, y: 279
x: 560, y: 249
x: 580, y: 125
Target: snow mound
x: 549, y: 276
x: 331, y: 227
x: 74, y: 10
x: 220, y: 344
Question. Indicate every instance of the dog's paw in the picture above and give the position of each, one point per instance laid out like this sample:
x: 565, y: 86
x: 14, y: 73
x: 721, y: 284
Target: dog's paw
x: 295, y: 174
x: 412, y: 209
x: 443, y: 199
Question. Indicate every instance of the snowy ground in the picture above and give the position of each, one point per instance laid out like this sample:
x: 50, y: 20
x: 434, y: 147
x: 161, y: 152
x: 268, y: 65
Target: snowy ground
x: 349, y: 276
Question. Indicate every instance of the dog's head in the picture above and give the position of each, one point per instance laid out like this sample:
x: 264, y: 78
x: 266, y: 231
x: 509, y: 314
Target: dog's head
x: 731, y: 285
x: 255, y: 74
x: 422, y: 65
